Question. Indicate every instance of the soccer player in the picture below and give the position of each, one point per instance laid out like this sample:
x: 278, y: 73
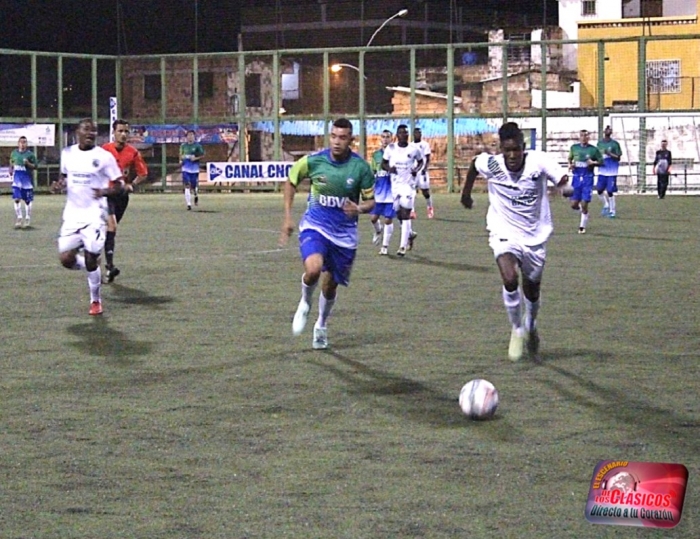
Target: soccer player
x: 519, y: 222
x: 328, y: 232
x: 403, y: 160
x: 583, y: 157
x: 129, y: 159
x: 607, y: 172
x: 662, y: 168
x: 89, y: 174
x: 22, y: 162
x: 191, y: 154
x: 384, y: 202
x: 423, y: 177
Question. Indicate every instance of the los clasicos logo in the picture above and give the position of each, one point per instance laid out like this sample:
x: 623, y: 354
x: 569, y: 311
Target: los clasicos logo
x: 649, y: 494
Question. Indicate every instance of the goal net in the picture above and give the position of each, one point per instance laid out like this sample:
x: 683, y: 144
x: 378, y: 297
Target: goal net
x: 640, y: 136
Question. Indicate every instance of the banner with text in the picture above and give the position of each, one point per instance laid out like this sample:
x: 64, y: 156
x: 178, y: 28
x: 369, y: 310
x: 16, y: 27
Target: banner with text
x: 262, y: 171
x: 37, y: 134
x: 177, y: 134
x: 5, y: 175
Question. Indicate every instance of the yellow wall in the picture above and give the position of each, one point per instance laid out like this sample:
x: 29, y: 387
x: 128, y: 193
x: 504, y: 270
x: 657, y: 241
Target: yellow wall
x: 622, y: 64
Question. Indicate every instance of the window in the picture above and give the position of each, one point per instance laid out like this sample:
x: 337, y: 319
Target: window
x: 664, y: 76
x: 652, y: 8
x: 588, y: 7
x: 253, y: 97
x: 151, y: 87
x: 206, y: 84
x: 519, y: 53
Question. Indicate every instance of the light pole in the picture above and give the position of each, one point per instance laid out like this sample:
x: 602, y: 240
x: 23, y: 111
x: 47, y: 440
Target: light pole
x: 336, y: 68
x: 401, y: 13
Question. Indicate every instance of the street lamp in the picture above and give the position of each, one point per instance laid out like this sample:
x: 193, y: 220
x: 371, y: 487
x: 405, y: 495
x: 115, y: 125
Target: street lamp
x: 401, y: 13
x: 336, y: 68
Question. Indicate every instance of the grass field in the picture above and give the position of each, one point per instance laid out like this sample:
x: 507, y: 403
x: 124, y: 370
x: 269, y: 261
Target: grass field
x: 189, y: 411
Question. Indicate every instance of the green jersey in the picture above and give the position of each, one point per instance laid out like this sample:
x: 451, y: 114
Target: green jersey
x: 579, y: 156
x: 187, y: 152
x: 21, y: 175
x: 610, y: 165
x: 332, y: 184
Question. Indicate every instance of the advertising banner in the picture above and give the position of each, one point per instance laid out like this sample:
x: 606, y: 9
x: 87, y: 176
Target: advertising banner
x: 37, y: 134
x: 261, y: 171
x: 177, y: 134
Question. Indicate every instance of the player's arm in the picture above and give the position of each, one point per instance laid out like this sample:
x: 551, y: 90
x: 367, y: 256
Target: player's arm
x: 30, y: 162
x: 351, y: 208
x: 597, y: 159
x: 670, y: 162
x: 58, y: 185
x: 141, y: 170
x: 182, y: 154
x: 418, y: 166
x: 427, y: 162
x: 298, y: 172
x: 389, y: 169
x: 558, y: 175
x: 472, y: 173
x: 198, y: 154
x: 571, y: 158
x: 617, y: 153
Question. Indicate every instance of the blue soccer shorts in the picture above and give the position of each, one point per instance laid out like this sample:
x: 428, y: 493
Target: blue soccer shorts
x: 336, y: 260
x: 607, y: 183
x: 583, y: 187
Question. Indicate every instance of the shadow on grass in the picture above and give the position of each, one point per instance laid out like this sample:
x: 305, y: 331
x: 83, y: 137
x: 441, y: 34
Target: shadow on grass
x: 205, y: 211
x: 98, y: 339
x: 134, y: 296
x: 622, y: 236
x: 457, y: 266
x: 405, y: 397
x: 662, y: 425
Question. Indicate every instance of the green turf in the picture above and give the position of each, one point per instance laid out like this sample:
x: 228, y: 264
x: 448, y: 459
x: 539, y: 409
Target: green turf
x: 189, y: 411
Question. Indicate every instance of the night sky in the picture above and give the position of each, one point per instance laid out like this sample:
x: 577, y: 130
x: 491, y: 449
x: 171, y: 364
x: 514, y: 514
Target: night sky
x: 150, y: 26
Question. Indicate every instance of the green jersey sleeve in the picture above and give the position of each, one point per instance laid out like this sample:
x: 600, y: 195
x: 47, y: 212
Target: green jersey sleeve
x: 299, y: 171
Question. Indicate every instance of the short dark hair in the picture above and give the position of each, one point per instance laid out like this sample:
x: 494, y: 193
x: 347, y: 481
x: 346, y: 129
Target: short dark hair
x: 416, y: 129
x: 117, y: 122
x: 510, y: 131
x: 86, y: 121
x: 387, y: 131
x: 402, y: 126
x: 190, y: 131
x: 22, y: 138
x: 584, y: 131
x: 343, y: 123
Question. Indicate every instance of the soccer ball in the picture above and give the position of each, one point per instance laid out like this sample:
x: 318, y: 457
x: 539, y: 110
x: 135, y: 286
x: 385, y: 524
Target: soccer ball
x: 478, y: 399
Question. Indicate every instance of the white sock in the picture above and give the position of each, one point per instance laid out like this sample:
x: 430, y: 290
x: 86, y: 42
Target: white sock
x: 79, y: 262
x: 512, y: 302
x: 584, y: 220
x: 325, y: 306
x: 531, y: 310
x: 307, y: 290
x: 188, y: 199
x: 18, y: 210
x: 28, y: 210
x: 405, y: 232
x: 388, y: 231
x: 603, y: 199
x: 429, y: 201
x: 612, y: 204
x: 94, y: 282
x: 377, y: 227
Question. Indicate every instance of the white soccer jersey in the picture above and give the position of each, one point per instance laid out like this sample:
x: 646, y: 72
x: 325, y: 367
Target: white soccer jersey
x: 86, y: 170
x: 404, y: 159
x: 424, y: 149
x: 518, y: 203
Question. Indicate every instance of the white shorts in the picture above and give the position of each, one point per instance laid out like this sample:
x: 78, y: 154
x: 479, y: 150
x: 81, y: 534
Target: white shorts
x: 76, y: 235
x: 423, y: 181
x: 404, y: 195
x: 531, y: 258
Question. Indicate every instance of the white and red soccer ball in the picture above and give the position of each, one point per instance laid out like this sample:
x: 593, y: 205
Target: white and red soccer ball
x: 478, y: 399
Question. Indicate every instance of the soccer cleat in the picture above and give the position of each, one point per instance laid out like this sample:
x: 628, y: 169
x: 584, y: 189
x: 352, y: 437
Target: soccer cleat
x: 95, y: 308
x: 320, y: 338
x: 18, y: 223
x: 300, y: 317
x: 611, y: 215
x: 413, y: 214
x: 431, y: 212
x: 533, y: 344
x: 411, y: 237
x: 581, y: 230
x: 401, y: 251
x: 196, y: 200
x: 26, y: 222
x: 189, y: 207
x: 384, y: 251
x: 377, y: 238
x: 515, y: 349
x: 112, y: 273
x: 604, y: 212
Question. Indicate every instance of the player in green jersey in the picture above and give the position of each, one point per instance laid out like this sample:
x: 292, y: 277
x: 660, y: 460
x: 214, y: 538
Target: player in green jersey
x: 607, y: 172
x: 191, y: 154
x: 22, y: 163
x: 328, y: 232
x: 583, y: 157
